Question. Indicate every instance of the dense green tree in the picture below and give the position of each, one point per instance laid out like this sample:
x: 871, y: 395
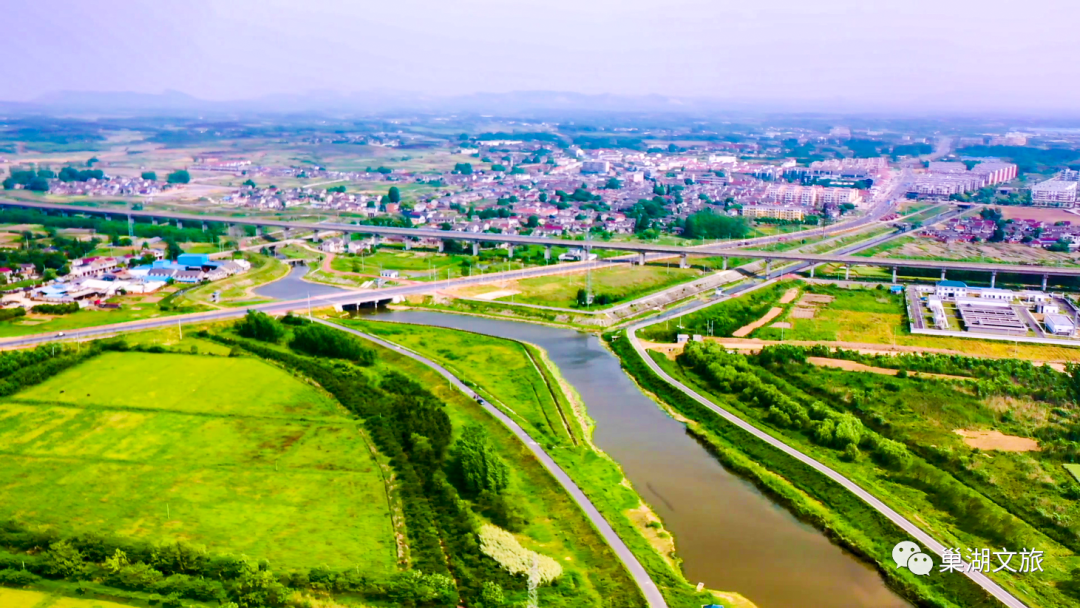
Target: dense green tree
x: 149, y: 175
x: 475, y: 465
x: 172, y: 249
x: 709, y: 225
x: 394, y: 194
x: 179, y: 177
x: 260, y: 326
x: 323, y: 341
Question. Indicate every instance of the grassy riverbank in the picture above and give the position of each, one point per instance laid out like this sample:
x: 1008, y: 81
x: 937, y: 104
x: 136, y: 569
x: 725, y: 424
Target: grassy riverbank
x: 518, y: 378
x: 810, y: 495
x: 898, y: 443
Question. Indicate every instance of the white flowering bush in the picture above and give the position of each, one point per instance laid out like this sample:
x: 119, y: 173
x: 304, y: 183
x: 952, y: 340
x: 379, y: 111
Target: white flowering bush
x: 501, y: 546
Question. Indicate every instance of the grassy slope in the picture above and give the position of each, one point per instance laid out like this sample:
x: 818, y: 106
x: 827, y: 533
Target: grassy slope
x: 235, y: 290
x: 917, y: 505
x: 517, y: 378
x: 175, y: 446
x: 810, y: 495
x: 625, y: 282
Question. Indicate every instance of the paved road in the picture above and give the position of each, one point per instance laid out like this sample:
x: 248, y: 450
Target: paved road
x: 636, y: 570
x: 916, y: 532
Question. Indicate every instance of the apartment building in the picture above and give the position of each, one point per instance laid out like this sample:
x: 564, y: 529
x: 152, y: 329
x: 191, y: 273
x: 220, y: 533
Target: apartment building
x: 779, y: 212
x: 1054, y: 192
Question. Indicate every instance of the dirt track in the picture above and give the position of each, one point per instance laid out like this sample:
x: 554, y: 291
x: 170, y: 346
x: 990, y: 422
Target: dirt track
x: 745, y: 330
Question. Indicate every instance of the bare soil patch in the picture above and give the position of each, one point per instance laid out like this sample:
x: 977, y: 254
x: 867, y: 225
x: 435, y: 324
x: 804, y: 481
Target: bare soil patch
x: 803, y: 312
x: 995, y: 440
x: 853, y: 366
x: 789, y: 295
x: 745, y: 330
x: 1039, y: 213
x: 781, y: 325
x: 495, y: 295
x: 813, y: 299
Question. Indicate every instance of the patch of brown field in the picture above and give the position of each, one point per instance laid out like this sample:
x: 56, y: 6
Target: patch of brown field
x: 670, y: 350
x: 745, y: 330
x: 853, y: 366
x: 811, y: 299
x: 663, y: 543
x: 781, y: 325
x: 789, y: 295
x: 995, y: 440
x: 1039, y: 213
x: 1004, y: 252
x: 495, y: 295
x: 803, y: 312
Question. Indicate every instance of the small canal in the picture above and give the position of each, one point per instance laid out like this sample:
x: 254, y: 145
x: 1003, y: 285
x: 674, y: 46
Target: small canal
x: 730, y: 536
x: 294, y: 287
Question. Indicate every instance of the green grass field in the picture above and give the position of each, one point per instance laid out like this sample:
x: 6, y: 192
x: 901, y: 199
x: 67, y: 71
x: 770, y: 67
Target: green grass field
x: 25, y: 598
x: 231, y: 453
x: 521, y: 390
x: 871, y: 316
x: 37, y: 324
x: 237, y: 289
x: 413, y: 264
x: 623, y: 282
x: 1074, y: 470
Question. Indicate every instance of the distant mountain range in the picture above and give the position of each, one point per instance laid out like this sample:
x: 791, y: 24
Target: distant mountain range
x: 523, y: 104
x: 517, y: 103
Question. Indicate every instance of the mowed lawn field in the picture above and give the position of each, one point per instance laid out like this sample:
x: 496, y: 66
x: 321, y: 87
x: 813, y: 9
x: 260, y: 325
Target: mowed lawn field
x: 25, y: 598
x: 231, y: 453
x: 623, y: 282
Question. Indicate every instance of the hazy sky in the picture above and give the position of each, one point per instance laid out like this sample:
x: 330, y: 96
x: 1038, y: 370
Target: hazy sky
x: 874, y: 53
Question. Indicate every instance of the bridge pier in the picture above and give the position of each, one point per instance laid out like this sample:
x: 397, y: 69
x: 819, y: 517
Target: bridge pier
x: 894, y: 274
x: 204, y: 226
x: 993, y: 278
x: 640, y: 258
x: 179, y: 225
x: 768, y: 268
x: 442, y: 245
x: 1045, y: 277
x: 476, y: 248
x: 153, y: 220
x: 683, y: 262
x: 408, y: 243
x: 510, y: 251
x: 547, y: 252
x: 812, y: 271
x: 942, y: 274
x: 847, y: 273
x: 724, y: 267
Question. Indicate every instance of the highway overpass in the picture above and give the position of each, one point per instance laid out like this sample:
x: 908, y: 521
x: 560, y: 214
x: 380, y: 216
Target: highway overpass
x: 641, y: 249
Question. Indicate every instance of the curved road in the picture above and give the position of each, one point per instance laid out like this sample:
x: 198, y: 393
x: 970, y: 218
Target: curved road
x: 917, y: 533
x: 633, y: 566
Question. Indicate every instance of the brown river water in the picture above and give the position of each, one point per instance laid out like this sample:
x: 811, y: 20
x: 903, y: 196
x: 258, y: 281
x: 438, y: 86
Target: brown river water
x: 730, y: 536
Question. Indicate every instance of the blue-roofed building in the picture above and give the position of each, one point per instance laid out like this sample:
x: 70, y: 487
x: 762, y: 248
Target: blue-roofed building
x: 896, y: 289
x: 193, y: 259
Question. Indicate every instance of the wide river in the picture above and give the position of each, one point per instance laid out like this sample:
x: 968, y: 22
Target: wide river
x: 730, y: 536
